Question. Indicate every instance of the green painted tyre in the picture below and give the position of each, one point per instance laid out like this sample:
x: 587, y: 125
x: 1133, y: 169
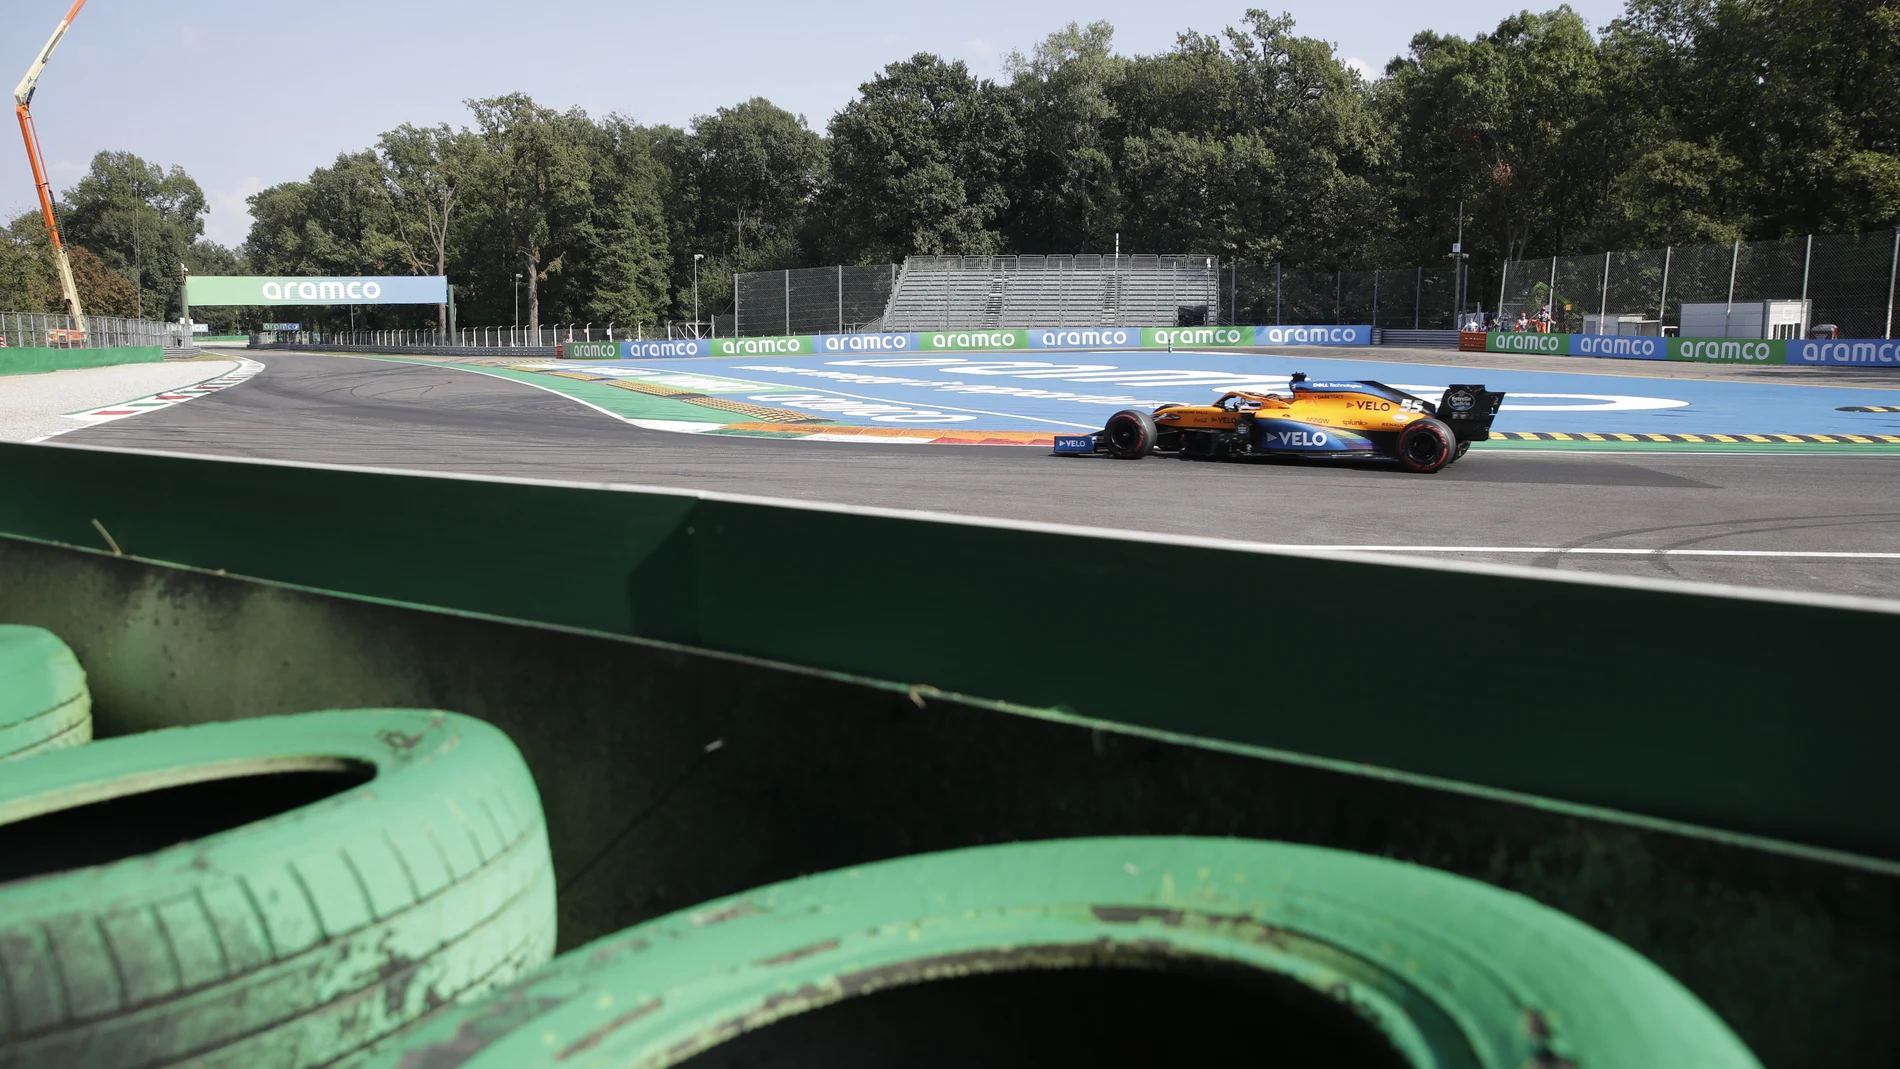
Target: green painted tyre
x: 44, y: 704
x: 1313, y: 956
x: 278, y: 892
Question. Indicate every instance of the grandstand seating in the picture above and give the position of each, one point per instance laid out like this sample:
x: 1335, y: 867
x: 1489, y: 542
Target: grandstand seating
x: 996, y: 292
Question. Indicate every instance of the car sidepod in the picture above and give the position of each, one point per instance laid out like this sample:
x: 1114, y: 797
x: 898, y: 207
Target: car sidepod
x: 1270, y: 435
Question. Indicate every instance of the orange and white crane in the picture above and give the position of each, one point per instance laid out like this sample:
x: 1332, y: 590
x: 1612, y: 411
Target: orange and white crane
x: 22, y: 98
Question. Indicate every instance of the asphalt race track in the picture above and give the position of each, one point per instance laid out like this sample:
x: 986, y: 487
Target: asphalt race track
x: 1815, y: 522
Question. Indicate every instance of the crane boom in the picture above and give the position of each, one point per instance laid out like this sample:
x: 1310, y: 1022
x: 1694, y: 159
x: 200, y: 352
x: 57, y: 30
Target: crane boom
x: 23, y: 93
x: 22, y: 98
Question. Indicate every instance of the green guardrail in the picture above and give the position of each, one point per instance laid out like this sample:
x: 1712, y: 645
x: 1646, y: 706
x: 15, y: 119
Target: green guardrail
x: 21, y: 360
x: 673, y: 775
x: 1679, y: 703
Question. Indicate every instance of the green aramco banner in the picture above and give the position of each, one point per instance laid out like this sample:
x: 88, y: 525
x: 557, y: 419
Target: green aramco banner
x: 209, y: 290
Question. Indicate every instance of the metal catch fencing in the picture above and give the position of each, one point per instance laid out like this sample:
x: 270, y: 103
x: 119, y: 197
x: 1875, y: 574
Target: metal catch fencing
x: 480, y: 337
x: 1850, y: 278
x: 810, y: 300
x: 48, y: 330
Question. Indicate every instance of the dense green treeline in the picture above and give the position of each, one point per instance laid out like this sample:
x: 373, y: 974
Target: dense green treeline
x: 1682, y: 121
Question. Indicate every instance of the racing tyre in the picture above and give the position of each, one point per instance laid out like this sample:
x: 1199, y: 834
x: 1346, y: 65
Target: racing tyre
x: 1085, y: 951
x: 44, y: 704
x: 1426, y: 445
x: 1130, y: 434
x: 277, y: 892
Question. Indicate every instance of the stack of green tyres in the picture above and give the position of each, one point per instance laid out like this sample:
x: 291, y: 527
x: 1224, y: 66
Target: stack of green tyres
x: 373, y: 887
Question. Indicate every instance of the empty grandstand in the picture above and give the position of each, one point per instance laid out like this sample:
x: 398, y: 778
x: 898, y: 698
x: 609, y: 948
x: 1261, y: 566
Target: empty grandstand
x: 978, y: 292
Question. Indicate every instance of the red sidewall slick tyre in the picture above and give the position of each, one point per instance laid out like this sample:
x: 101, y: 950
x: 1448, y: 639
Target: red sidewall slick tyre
x: 1426, y: 445
x: 1130, y: 434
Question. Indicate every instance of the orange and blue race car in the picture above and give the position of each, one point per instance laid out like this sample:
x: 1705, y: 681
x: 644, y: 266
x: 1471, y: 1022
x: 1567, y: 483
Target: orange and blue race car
x: 1367, y: 420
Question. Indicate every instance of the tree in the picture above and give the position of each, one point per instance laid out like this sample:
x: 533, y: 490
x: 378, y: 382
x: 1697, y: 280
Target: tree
x: 30, y: 283
x: 624, y: 273
x: 918, y: 163
x: 1258, y: 144
x: 1508, y: 123
x: 1064, y: 196
x: 424, y: 170
x: 534, y: 185
x: 140, y: 221
x: 1800, y: 94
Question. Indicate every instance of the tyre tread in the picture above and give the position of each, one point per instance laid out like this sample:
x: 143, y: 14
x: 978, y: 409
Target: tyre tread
x: 275, y: 944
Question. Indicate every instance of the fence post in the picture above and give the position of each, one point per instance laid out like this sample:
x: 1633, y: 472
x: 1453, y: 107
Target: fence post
x: 1603, y: 302
x: 1893, y: 272
x: 1807, y: 263
x: 1276, y: 293
x: 1339, y: 292
x: 1662, y: 304
x: 841, y: 298
x: 640, y: 328
x: 1375, y: 298
x: 1418, y: 296
x: 1734, y: 261
x: 1550, y: 294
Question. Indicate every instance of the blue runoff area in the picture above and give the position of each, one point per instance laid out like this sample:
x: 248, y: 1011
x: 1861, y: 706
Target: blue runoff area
x: 1077, y: 391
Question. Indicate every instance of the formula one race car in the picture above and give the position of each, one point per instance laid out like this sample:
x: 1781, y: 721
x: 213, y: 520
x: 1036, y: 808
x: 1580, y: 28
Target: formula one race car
x: 1332, y: 419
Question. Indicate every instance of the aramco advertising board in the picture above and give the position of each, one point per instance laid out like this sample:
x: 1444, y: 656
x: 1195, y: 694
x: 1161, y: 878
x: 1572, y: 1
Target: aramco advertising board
x: 211, y: 290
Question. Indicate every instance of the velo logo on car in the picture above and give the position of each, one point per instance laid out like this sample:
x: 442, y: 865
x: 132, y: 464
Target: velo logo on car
x: 1308, y: 439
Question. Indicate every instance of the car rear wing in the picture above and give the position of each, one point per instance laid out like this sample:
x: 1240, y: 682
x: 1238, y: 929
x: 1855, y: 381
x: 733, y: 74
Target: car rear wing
x: 1469, y: 410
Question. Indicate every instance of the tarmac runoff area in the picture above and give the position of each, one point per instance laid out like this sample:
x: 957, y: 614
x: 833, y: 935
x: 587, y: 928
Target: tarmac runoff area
x: 38, y: 406
x: 1818, y: 517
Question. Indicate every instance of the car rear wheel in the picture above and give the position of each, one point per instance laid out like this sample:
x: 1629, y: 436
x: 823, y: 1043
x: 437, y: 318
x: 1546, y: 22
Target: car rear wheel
x: 1426, y: 445
x: 1130, y: 434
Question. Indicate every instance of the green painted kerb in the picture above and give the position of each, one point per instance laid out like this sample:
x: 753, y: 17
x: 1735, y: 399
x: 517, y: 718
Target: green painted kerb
x: 25, y: 361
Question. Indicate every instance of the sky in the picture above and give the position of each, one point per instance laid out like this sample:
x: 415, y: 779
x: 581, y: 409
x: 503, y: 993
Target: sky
x: 245, y: 95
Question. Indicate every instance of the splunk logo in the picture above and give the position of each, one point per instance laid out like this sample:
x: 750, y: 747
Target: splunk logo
x: 1844, y: 352
x: 322, y: 289
x: 1723, y: 351
x: 1310, y: 335
x: 756, y: 346
x: 864, y: 343
x: 1617, y: 345
x: 1199, y: 336
x: 1082, y: 339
